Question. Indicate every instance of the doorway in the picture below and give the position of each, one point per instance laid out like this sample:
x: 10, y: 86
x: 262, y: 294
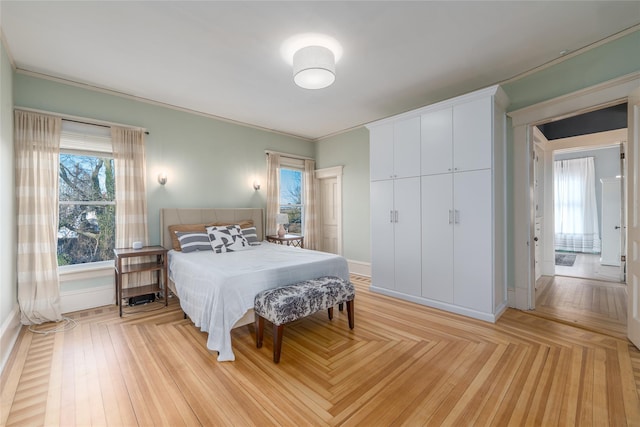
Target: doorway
x: 330, y: 209
x: 579, y: 225
x: 576, y: 180
x: 622, y: 89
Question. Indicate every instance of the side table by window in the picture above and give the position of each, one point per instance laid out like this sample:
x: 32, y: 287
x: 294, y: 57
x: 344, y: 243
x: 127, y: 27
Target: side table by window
x: 159, y: 266
x: 288, y: 239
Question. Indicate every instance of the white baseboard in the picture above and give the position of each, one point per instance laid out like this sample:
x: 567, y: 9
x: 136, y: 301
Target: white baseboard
x: 487, y: 317
x: 83, y: 299
x: 8, y: 335
x: 360, y: 268
x: 511, y: 297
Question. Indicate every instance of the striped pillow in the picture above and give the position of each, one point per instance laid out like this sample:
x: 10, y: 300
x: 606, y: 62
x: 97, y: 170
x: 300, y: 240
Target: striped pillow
x: 193, y: 241
x: 251, y: 235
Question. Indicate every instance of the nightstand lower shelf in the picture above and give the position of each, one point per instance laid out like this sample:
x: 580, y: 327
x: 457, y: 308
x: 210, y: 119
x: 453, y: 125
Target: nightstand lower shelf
x: 159, y: 267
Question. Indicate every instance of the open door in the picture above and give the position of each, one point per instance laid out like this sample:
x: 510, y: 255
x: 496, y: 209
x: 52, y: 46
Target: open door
x: 633, y: 218
x: 623, y: 213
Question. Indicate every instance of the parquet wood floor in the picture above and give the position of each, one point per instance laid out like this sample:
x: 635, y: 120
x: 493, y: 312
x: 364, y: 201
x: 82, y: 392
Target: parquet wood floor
x: 403, y: 364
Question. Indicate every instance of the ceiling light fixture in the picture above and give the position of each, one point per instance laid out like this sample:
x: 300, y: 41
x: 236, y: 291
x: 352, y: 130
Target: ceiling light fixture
x: 313, y: 57
x: 314, y: 67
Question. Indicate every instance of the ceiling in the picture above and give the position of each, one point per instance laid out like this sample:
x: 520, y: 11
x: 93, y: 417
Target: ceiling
x: 223, y: 58
x: 602, y: 120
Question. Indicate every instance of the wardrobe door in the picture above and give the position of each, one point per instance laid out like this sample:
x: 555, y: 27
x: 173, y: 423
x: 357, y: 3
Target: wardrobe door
x: 437, y: 237
x: 473, y: 240
x: 406, y: 148
x: 382, y: 241
x: 381, y: 152
x: 437, y: 142
x: 407, y: 236
x: 473, y: 135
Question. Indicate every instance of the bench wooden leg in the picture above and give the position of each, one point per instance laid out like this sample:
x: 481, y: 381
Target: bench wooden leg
x: 277, y: 342
x: 350, y: 310
x: 330, y: 310
x: 341, y: 306
x: 259, y: 330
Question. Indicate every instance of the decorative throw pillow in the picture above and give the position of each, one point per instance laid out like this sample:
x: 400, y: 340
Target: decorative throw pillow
x: 251, y: 235
x: 194, y: 241
x: 227, y: 238
x: 184, y: 228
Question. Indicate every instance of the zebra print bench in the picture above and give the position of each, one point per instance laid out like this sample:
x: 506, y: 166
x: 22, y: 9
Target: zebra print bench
x: 288, y: 303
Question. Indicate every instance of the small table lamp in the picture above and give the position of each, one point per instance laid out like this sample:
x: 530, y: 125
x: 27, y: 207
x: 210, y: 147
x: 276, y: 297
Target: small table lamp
x: 281, y: 219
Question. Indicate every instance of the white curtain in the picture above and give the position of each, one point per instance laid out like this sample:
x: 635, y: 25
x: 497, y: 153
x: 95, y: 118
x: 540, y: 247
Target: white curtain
x: 273, y: 192
x: 311, y: 230
x: 37, y: 154
x: 576, y: 211
x: 131, y: 192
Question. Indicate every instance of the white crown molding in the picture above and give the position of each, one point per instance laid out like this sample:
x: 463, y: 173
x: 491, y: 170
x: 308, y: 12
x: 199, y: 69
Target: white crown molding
x: 152, y: 102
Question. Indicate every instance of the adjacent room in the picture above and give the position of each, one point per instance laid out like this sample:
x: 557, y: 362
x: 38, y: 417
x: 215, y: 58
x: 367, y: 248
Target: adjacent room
x: 319, y: 213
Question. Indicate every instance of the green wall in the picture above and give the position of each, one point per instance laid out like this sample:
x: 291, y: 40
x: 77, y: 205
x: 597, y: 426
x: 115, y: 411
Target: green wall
x: 351, y: 150
x: 614, y: 59
x: 210, y: 163
x: 8, y: 223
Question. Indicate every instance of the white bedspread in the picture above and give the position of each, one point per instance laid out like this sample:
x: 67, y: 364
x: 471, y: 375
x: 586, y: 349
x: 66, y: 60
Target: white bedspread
x: 216, y: 290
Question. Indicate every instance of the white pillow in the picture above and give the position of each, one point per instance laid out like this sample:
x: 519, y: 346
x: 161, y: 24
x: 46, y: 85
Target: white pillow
x: 227, y: 238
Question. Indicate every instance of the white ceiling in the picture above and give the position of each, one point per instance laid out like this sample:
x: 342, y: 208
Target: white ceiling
x: 223, y: 58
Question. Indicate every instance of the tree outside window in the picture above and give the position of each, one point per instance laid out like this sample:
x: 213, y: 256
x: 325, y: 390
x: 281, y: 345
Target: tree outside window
x: 86, y: 227
x: 291, y: 198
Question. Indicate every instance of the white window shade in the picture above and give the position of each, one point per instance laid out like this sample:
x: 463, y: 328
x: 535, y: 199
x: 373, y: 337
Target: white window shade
x: 82, y: 138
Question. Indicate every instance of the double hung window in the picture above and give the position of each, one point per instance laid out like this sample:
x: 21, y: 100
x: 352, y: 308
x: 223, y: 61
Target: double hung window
x: 86, y: 195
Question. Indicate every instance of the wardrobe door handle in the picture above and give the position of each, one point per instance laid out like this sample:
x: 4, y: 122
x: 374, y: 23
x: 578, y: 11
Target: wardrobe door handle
x: 450, y: 216
x: 391, y: 216
x: 396, y: 216
x: 457, y: 216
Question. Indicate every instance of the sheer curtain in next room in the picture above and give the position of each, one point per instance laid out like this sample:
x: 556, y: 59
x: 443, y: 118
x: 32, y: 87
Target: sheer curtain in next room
x: 576, y: 212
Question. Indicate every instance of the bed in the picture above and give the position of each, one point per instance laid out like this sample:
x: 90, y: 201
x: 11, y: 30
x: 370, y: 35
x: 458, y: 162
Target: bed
x: 217, y: 291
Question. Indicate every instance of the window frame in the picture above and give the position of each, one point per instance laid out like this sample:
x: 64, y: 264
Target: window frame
x: 298, y: 166
x: 85, y: 140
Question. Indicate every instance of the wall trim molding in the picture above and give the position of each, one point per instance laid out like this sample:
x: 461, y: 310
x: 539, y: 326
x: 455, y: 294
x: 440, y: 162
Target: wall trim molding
x: 83, y: 299
x: 9, y: 332
x: 360, y: 268
x: 155, y: 103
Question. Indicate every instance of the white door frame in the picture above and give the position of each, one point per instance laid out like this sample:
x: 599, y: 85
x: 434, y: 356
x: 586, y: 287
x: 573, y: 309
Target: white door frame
x: 335, y: 172
x: 522, y: 294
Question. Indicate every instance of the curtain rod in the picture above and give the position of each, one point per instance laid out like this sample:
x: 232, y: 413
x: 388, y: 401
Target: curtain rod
x: 291, y: 156
x: 83, y: 120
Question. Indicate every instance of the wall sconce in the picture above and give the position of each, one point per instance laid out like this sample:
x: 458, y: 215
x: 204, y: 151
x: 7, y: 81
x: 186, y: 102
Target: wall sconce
x: 162, y: 178
x: 256, y: 185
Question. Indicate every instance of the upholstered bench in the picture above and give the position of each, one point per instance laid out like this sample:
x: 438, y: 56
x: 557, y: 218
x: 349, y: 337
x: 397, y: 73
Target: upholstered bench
x: 288, y: 303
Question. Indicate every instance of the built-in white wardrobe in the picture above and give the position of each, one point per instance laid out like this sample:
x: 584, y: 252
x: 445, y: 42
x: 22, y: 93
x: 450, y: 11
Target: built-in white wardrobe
x: 438, y: 220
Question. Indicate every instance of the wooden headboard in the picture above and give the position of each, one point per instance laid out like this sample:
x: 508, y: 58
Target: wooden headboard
x: 172, y: 216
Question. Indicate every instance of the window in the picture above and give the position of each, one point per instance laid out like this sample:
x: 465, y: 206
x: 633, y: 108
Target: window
x: 86, y: 195
x: 291, y: 198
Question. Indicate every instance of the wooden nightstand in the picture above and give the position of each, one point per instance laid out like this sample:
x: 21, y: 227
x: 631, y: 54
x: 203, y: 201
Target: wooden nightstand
x: 288, y: 239
x: 159, y: 265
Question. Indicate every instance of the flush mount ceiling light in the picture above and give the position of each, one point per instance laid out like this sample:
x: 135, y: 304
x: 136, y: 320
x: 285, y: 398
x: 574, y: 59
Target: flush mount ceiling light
x: 314, y: 67
x: 313, y: 57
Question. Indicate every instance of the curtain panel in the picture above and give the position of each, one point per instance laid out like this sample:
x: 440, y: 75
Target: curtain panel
x: 37, y: 155
x: 311, y: 230
x: 273, y: 192
x: 576, y: 210
x: 131, y: 194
